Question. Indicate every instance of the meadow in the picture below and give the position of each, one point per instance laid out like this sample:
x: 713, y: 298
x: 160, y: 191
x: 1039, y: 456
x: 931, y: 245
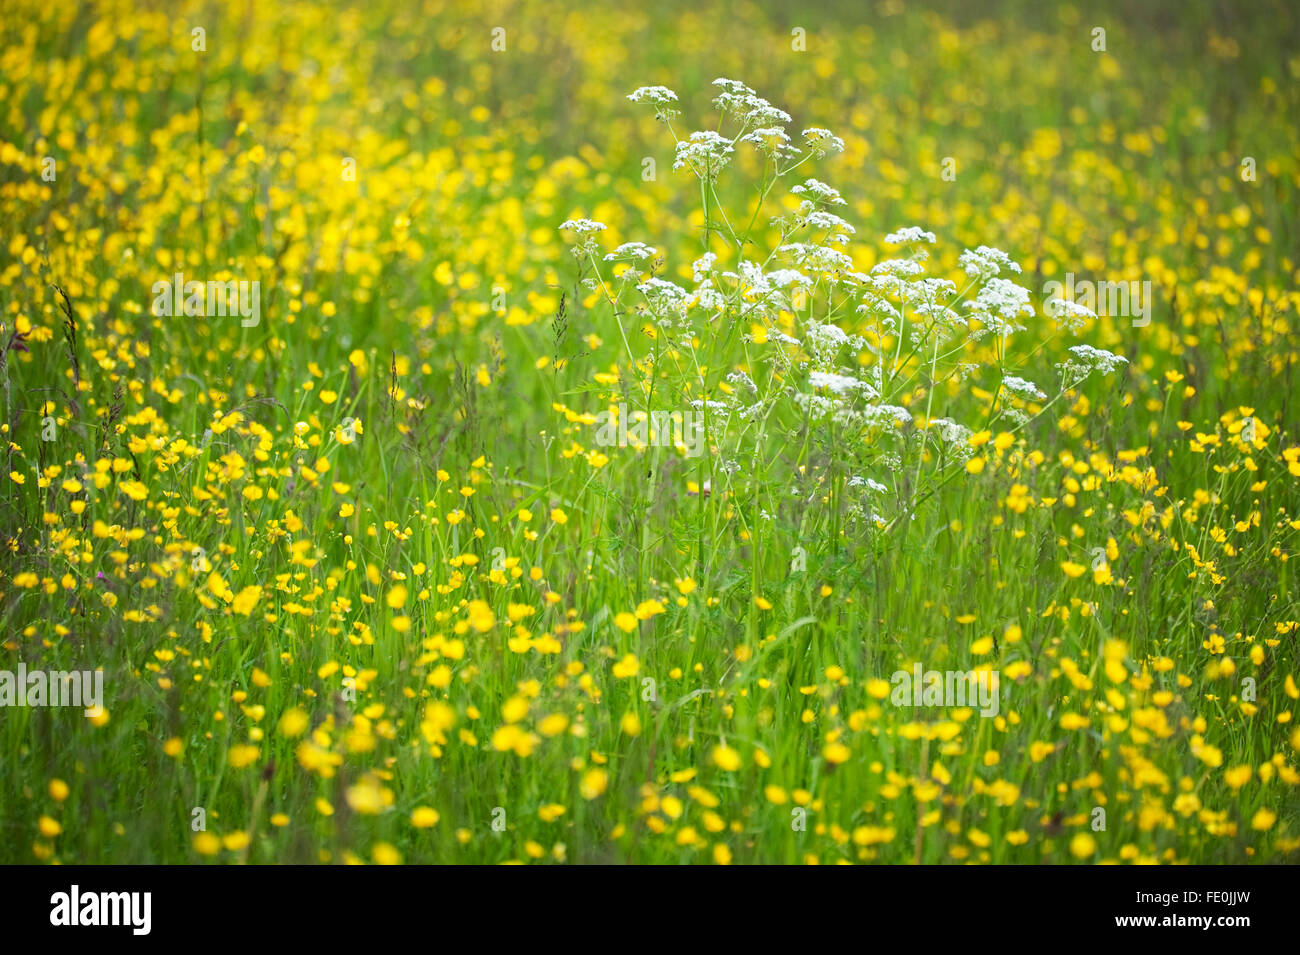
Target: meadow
x: 689, y: 433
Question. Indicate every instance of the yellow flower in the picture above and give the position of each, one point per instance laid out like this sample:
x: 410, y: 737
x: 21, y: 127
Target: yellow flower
x: 514, y: 709
x: 553, y: 725
x: 1263, y: 819
x: 627, y: 667
x: 385, y: 854
x: 873, y: 835
x: 368, y: 797
x: 1082, y: 845
x: 481, y: 617
x: 134, y: 490
x: 293, y: 722
x: 424, y: 817
x: 1039, y: 750
x: 242, y: 755
x: 726, y: 759
x: 649, y: 608
x: 1238, y: 776
x: 1211, y: 756
x: 207, y: 844
x: 836, y: 753
x: 594, y: 783
x: 246, y: 600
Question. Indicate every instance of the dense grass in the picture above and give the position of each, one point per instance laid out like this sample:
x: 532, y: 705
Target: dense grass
x: 363, y: 583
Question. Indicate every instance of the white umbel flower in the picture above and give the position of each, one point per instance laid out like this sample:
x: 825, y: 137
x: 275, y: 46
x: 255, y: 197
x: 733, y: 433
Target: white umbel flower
x: 1020, y: 386
x: 908, y: 235
x: 822, y: 141
x: 654, y: 95
x: 706, y: 153
x: 819, y: 191
x: 835, y: 384
x: 986, y: 262
x: 1068, y: 315
x: 632, y: 250
x: 583, y: 226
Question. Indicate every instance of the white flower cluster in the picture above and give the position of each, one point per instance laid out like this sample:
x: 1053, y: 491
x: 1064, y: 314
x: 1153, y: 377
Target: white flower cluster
x: 909, y: 235
x: 583, y: 226
x: 874, y: 376
x: 868, y: 483
x: 822, y: 141
x: 1068, y: 315
x: 955, y: 436
x: 752, y: 110
x: 817, y: 258
x: 836, y: 384
x: 586, y: 230
x: 819, y: 192
x: 985, y: 263
x: 660, y: 97
x: 1086, y: 360
x: 1019, y: 386
x: 632, y: 250
x: 666, y: 299
x: 999, y: 303
x: 706, y: 153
